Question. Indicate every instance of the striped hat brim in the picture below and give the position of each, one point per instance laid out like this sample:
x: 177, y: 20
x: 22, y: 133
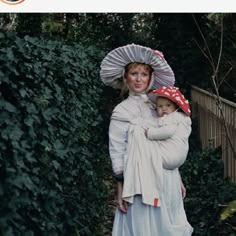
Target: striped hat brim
x: 112, y: 66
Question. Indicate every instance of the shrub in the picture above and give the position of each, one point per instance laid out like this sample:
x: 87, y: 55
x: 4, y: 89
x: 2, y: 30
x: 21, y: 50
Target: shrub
x: 52, y: 139
x: 207, y: 190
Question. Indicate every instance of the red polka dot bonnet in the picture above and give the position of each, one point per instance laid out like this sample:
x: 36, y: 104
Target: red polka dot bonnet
x: 174, y: 94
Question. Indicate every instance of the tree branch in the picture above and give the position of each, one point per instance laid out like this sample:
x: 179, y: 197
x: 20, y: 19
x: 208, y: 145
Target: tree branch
x: 214, y: 79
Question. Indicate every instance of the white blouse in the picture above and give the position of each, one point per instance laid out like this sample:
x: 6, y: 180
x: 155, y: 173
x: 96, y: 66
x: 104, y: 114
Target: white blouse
x: 133, y: 107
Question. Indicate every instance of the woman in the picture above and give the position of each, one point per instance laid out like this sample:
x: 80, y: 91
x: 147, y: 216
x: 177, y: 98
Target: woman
x: 149, y: 198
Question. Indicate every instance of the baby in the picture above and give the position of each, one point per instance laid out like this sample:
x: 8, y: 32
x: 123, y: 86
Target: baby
x: 173, y: 125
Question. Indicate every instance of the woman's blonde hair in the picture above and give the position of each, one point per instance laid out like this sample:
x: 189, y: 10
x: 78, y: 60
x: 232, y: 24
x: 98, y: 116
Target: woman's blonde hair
x: 128, y: 67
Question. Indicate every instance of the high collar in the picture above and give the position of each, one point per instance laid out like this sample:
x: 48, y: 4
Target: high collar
x: 140, y: 97
x: 137, y: 95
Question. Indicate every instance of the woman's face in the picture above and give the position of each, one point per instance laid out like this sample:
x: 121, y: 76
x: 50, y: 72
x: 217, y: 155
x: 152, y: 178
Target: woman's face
x: 138, y: 78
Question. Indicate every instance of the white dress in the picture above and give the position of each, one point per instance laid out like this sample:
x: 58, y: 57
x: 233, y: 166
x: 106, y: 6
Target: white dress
x: 142, y: 219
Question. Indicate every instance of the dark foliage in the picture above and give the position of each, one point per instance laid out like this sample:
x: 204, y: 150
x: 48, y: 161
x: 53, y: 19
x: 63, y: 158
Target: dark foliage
x: 207, y: 190
x: 52, y: 138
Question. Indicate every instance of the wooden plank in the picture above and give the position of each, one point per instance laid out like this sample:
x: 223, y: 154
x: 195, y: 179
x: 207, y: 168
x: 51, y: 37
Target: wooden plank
x: 211, y: 127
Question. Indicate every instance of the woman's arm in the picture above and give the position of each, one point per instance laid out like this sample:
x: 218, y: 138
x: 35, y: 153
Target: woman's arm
x: 183, y: 189
x: 117, y: 144
x: 117, y: 148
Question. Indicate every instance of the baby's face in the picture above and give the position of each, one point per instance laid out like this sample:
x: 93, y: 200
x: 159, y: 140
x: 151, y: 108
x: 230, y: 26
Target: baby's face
x: 165, y: 106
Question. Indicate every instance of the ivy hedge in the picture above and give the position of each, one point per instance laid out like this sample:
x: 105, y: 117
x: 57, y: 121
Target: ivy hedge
x: 207, y: 192
x: 52, y: 140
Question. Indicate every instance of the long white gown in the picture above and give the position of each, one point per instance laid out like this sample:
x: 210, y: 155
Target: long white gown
x: 141, y: 219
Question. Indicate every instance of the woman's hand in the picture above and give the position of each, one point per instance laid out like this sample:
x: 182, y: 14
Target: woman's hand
x: 183, y: 190
x: 121, y: 204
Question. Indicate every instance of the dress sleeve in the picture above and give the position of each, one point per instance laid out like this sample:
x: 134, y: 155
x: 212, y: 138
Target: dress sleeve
x: 174, y: 123
x: 118, y: 132
x: 162, y: 132
x: 184, y: 129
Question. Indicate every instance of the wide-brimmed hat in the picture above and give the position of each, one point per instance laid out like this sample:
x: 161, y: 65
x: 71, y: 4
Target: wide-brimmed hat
x: 174, y: 94
x: 113, y: 65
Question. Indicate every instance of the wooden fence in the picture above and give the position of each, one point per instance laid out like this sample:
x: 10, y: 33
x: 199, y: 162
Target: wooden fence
x: 211, y: 126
